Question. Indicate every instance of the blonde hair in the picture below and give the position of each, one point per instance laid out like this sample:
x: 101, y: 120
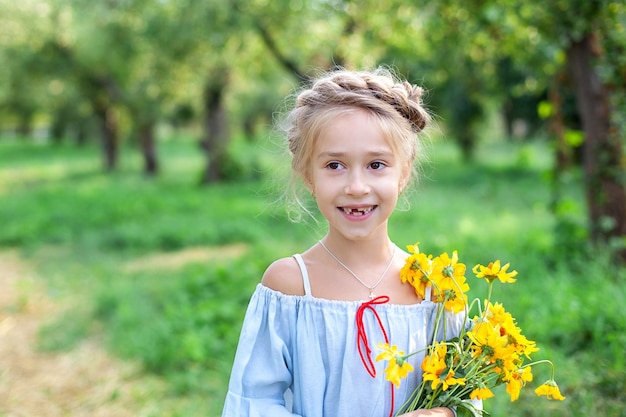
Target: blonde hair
x: 395, y: 105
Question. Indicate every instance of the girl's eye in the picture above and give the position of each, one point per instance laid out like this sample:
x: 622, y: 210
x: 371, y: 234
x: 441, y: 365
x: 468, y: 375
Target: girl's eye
x: 376, y: 165
x: 334, y: 165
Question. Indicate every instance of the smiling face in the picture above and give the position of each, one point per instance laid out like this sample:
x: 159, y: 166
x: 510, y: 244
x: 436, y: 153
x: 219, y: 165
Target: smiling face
x: 355, y: 176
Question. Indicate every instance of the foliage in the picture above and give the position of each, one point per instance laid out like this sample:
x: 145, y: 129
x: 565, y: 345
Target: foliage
x: 89, y: 212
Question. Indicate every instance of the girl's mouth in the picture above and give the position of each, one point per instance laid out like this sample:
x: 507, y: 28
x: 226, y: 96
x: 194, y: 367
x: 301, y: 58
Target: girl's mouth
x: 361, y: 211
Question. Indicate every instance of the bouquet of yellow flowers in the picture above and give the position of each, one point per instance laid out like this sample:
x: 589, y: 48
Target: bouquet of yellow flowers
x: 489, y: 351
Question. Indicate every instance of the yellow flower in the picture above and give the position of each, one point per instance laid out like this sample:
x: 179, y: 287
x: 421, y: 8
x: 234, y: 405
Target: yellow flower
x: 436, y: 370
x: 481, y: 393
x: 551, y: 390
x: 449, y: 267
x: 415, y: 248
x: 454, y: 301
x: 387, y: 352
x: 434, y: 364
x: 520, y: 343
x: 396, y: 370
x: 449, y: 380
x: 450, y: 286
x: 497, y: 316
x: 493, y: 271
x: 398, y: 367
x: 517, y: 380
x: 489, y: 343
x: 416, y: 270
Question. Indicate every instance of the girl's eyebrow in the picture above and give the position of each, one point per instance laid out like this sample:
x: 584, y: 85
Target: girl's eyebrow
x: 324, y: 155
x: 372, y: 154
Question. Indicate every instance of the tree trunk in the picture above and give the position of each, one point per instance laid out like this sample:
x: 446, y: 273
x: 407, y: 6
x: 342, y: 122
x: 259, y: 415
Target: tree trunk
x: 58, y: 129
x: 557, y: 127
x: 467, y: 143
x: 80, y: 134
x: 148, y: 149
x: 562, y: 151
x: 102, y: 92
x: 606, y: 196
x: 215, y: 129
x: 109, y: 129
x: 25, y: 125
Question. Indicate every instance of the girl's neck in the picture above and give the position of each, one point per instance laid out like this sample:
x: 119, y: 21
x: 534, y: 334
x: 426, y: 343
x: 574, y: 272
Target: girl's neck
x: 369, y: 251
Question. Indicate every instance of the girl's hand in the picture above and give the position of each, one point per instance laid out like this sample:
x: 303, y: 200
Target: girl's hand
x: 433, y: 412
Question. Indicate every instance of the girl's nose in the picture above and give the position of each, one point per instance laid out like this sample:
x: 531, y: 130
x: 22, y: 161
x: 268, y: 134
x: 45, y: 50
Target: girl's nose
x: 356, y: 185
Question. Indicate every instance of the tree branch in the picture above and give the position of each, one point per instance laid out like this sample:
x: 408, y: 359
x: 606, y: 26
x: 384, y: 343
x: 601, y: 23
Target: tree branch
x: 289, y: 64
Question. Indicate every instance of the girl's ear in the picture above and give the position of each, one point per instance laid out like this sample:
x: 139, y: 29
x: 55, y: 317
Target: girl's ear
x: 406, y: 175
x: 309, y: 184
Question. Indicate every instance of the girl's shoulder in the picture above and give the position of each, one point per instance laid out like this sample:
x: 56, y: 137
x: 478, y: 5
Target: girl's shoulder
x: 284, y: 275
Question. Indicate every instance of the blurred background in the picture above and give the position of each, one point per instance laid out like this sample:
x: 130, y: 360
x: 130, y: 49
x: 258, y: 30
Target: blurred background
x: 141, y: 179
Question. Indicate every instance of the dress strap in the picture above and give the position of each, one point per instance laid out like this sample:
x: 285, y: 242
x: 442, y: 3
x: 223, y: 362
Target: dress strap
x: 305, y: 274
x: 428, y: 293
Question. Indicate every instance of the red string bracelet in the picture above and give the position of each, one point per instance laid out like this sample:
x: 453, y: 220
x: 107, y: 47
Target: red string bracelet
x: 363, y: 343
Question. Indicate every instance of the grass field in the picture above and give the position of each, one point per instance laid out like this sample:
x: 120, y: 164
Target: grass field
x: 162, y: 269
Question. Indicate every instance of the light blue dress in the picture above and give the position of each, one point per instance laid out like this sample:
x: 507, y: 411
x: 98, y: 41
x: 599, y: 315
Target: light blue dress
x: 298, y: 356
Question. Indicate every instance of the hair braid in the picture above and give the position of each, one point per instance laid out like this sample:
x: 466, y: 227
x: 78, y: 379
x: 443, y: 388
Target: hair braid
x: 358, y: 89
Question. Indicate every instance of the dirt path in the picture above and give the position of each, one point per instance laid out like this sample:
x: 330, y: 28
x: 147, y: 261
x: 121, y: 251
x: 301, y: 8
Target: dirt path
x: 83, y: 382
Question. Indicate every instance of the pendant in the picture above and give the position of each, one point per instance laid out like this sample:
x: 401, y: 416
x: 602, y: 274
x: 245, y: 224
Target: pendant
x: 371, y: 293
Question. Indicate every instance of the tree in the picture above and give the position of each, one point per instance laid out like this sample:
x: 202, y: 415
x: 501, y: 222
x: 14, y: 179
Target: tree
x: 216, y: 133
x: 453, y: 47
x: 606, y: 196
x: 92, y: 51
x: 542, y: 39
x: 23, y: 83
x: 585, y: 30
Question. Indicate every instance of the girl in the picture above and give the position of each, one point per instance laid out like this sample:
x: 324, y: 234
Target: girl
x: 306, y: 347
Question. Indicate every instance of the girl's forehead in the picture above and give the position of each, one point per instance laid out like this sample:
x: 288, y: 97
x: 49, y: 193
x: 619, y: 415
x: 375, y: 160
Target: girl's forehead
x: 353, y: 132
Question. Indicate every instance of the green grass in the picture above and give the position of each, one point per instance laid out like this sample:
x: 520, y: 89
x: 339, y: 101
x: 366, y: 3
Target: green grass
x: 81, y: 228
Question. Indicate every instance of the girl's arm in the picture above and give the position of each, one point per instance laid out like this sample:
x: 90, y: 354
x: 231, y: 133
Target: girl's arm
x: 261, y: 372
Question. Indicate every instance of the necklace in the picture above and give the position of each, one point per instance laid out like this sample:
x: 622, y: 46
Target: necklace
x: 355, y: 276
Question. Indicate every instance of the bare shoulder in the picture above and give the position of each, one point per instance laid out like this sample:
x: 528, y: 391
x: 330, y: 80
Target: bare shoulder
x: 284, y: 276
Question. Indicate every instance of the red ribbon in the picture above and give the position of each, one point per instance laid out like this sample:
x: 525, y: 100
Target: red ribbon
x: 363, y: 343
